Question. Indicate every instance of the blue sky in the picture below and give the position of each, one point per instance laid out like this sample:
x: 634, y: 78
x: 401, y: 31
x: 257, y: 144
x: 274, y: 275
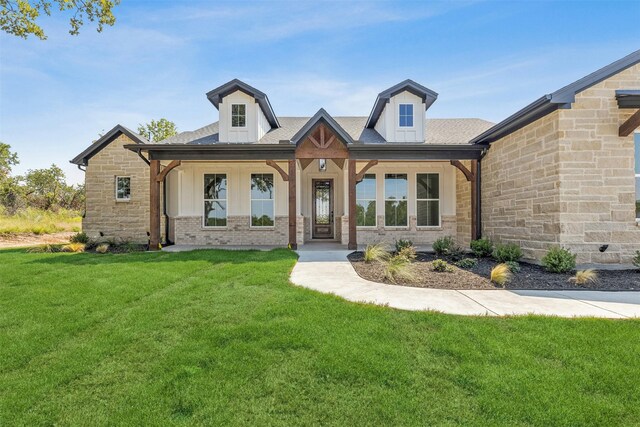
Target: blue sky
x: 485, y: 59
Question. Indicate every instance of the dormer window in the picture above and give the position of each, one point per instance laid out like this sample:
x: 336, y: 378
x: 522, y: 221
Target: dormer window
x: 406, y: 116
x: 238, y: 115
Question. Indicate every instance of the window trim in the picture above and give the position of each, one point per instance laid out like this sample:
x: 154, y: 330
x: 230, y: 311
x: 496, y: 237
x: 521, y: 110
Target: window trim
x: 413, y: 115
x: 439, y: 199
x: 226, y: 200
x: 119, y: 199
x: 231, y: 115
x: 395, y: 227
x: 251, y: 199
x: 375, y: 200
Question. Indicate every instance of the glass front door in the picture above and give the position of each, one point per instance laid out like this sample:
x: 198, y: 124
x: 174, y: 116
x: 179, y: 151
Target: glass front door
x: 322, y: 221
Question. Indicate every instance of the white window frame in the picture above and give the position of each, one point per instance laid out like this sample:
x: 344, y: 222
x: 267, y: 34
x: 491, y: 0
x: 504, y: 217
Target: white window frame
x: 440, y: 186
x: 413, y: 115
x: 246, y: 115
x: 375, y: 200
x: 384, y: 188
x: 122, y: 199
x: 225, y: 200
x: 251, y: 199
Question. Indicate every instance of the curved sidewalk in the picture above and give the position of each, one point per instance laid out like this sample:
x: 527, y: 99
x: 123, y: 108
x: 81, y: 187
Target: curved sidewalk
x: 331, y: 272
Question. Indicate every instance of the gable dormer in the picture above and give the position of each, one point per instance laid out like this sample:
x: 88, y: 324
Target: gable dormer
x: 245, y: 112
x: 398, y: 113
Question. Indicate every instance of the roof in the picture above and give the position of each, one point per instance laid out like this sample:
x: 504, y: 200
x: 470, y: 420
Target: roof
x: 561, y: 98
x: 82, y: 158
x: 216, y: 95
x: 437, y: 131
x: 428, y: 97
x: 321, y: 117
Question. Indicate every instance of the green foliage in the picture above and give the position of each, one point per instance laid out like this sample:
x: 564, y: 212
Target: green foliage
x: 508, y: 252
x: 399, y: 269
x: 636, y: 259
x: 8, y: 159
x: 45, y: 249
x: 375, y: 253
x: 403, y: 243
x: 559, y: 260
x: 18, y: 17
x: 79, y: 238
x: 514, y: 267
x: 408, y: 252
x: 482, y: 247
x: 501, y: 274
x: 443, y: 245
x: 441, y: 266
x: 467, y: 263
x: 156, y: 131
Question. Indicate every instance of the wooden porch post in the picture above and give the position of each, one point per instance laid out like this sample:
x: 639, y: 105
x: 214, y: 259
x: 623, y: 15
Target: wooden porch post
x: 293, y: 214
x: 474, y: 200
x: 154, y: 206
x: 353, y: 244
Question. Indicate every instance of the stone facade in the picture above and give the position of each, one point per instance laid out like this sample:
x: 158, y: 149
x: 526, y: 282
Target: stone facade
x: 567, y: 179
x: 463, y: 208
x: 189, y: 231
x: 116, y: 219
x: 418, y: 235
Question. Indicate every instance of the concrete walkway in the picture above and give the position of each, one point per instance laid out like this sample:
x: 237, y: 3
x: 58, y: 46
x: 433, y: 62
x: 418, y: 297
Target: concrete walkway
x: 331, y: 272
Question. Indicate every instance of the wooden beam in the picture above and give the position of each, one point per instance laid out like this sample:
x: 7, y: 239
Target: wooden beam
x: 305, y: 162
x: 631, y: 124
x: 474, y: 199
x: 353, y: 244
x: 293, y: 215
x: 162, y: 175
x: 330, y: 141
x: 360, y: 175
x: 322, y: 141
x: 467, y: 173
x: 282, y: 173
x: 338, y: 162
x: 315, y: 142
x: 154, y: 206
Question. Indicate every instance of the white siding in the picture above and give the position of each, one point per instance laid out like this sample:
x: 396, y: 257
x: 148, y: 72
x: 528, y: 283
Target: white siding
x: 250, y: 132
x: 388, y: 124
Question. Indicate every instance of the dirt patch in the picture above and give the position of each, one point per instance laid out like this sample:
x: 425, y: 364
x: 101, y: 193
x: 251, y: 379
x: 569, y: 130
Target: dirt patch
x: 22, y: 240
x: 529, y: 277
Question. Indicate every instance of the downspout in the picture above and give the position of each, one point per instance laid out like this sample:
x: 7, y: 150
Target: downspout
x: 84, y: 211
x: 143, y: 157
x: 164, y: 210
x: 479, y: 199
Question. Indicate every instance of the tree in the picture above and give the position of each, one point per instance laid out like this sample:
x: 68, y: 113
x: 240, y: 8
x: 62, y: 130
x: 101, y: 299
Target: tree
x: 158, y: 130
x: 45, y: 187
x: 18, y: 17
x: 7, y: 159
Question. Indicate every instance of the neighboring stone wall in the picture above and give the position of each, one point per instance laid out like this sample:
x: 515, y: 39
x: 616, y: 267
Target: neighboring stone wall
x: 120, y: 220
x: 463, y: 207
x: 520, y: 188
x: 597, y: 182
x: 189, y: 231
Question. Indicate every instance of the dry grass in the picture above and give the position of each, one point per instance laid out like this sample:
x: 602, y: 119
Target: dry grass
x: 102, y: 248
x: 73, y: 247
x: 399, y: 269
x: 500, y: 274
x: 585, y: 277
x: 375, y: 253
x: 39, y: 222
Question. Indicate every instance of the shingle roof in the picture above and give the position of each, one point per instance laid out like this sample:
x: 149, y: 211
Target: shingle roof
x: 437, y: 131
x: 82, y: 158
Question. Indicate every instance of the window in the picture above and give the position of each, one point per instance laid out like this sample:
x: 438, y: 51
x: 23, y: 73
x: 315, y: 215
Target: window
x: 262, y: 212
x: 215, y: 200
x: 637, y: 140
x: 406, y: 115
x: 395, y: 200
x: 238, y: 115
x: 366, y: 201
x: 123, y: 188
x: 428, y: 199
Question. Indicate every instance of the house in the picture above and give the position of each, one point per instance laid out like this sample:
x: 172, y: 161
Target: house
x: 561, y: 171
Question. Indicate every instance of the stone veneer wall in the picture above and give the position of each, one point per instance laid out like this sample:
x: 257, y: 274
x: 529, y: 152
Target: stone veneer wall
x: 120, y: 220
x: 463, y: 207
x: 419, y: 236
x: 189, y: 231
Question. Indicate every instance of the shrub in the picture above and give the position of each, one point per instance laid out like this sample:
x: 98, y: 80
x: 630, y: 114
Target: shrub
x: 559, y: 260
x: 399, y: 268
x: 482, y: 247
x: 584, y: 277
x: 375, y: 253
x: 73, y: 247
x: 509, y: 252
x: 403, y: 243
x: 467, y: 263
x: 441, y: 265
x: 443, y: 245
x: 514, y: 267
x: 408, y: 252
x: 48, y: 248
x: 636, y: 259
x: 79, y: 238
x: 500, y: 274
x: 102, y: 248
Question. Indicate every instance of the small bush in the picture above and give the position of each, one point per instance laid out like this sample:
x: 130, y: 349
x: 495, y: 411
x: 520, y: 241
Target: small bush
x: 443, y: 245
x: 42, y: 249
x: 482, y: 247
x: 399, y: 268
x: 73, y: 247
x: 514, y: 267
x: 584, y: 277
x: 500, y: 274
x: 636, y: 259
x: 441, y: 266
x: 403, y: 243
x: 509, y: 252
x: 408, y: 252
x: 559, y: 260
x: 79, y: 238
x: 102, y: 248
x: 375, y: 253
x: 467, y: 263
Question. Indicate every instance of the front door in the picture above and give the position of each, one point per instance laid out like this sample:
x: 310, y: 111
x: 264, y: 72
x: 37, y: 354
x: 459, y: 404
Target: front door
x: 322, y: 220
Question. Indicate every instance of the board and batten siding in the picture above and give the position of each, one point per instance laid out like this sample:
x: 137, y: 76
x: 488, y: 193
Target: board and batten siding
x: 388, y: 124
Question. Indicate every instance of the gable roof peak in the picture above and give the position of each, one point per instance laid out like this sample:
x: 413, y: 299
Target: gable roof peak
x: 216, y: 95
x: 322, y: 116
x: 82, y: 158
x: 427, y: 95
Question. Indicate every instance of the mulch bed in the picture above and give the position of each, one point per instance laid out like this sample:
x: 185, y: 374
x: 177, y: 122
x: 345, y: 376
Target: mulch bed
x: 529, y: 277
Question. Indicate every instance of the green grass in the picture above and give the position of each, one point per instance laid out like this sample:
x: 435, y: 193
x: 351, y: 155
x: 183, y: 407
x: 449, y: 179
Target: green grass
x: 222, y: 338
x: 38, y: 221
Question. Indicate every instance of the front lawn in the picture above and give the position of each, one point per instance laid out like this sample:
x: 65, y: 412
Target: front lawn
x: 222, y: 338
